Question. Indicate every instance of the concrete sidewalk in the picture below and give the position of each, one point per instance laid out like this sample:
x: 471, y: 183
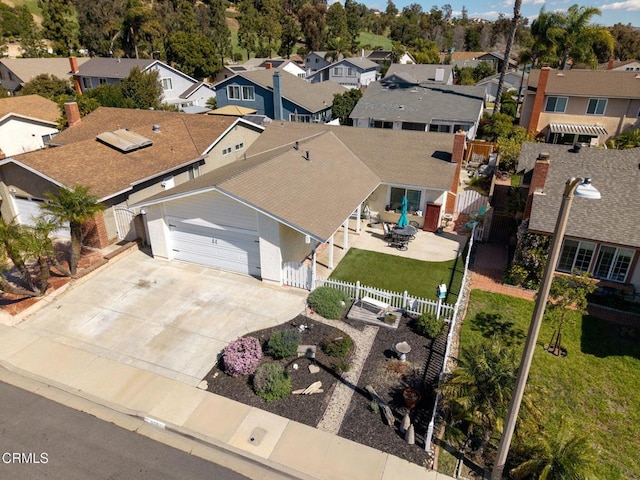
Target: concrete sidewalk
x: 282, y: 447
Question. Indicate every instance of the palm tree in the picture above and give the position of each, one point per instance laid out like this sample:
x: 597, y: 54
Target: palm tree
x: 477, y: 393
x: 565, y: 456
x: 507, y: 54
x: 76, y: 206
x: 578, y: 36
x: 544, y: 31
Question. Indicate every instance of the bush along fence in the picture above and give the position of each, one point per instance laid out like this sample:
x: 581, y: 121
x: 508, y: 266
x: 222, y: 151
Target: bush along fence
x: 402, y: 301
x: 458, y: 311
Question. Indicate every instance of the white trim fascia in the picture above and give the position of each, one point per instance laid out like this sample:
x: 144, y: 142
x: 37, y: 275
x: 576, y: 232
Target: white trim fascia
x: 25, y: 117
x: 245, y: 123
x: 156, y: 62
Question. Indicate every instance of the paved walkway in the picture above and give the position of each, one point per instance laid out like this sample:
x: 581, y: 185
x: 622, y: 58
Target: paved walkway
x: 488, y: 270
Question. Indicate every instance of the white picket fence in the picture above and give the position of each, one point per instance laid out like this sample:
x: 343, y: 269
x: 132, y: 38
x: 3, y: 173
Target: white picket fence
x: 468, y: 201
x: 402, y: 301
x: 296, y: 274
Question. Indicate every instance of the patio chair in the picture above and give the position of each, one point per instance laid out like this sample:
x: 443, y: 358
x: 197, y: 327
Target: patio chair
x: 388, y: 232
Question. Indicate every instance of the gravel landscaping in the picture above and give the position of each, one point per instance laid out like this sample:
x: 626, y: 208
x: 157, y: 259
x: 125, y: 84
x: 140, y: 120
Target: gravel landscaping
x: 381, y: 369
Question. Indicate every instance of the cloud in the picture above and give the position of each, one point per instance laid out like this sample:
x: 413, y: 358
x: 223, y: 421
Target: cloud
x: 629, y: 5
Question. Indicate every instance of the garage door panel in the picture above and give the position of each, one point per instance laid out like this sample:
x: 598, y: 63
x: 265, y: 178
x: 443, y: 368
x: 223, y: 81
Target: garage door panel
x: 27, y: 210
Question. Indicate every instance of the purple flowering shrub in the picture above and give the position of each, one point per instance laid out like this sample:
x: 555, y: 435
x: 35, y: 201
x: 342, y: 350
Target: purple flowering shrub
x: 242, y: 356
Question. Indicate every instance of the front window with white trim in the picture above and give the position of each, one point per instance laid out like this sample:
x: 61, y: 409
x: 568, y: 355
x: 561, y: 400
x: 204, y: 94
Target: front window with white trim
x: 167, y: 84
x: 413, y: 199
x: 596, y: 106
x: 248, y: 93
x: 575, y: 256
x: 613, y: 263
x: 556, y: 104
x: 337, y: 71
x: 233, y: 92
x: 226, y: 151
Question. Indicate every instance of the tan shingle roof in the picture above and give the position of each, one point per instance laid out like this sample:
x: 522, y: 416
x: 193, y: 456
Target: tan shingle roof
x: 314, y: 97
x: 600, y: 83
x: 28, y: 68
x: 107, y: 171
x: 32, y: 106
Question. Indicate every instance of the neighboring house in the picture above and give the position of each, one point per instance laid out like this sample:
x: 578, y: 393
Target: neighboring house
x: 315, y: 61
x: 580, y: 106
x: 124, y: 156
x: 426, y: 108
x: 512, y: 81
x: 26, y: 123
x: 602, y: 236
x: 419, y: 74
x: 382, y: 57
x: 179, y: 89
x: 625, y: 65
x: 296, y: 189
x: 352, y: 72
x: 15, y: 72
x: 495, y: 58
x: 252, y: 64
x: 279, y: 96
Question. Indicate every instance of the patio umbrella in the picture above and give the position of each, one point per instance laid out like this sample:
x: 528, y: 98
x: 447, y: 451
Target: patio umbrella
x: 403, y: 221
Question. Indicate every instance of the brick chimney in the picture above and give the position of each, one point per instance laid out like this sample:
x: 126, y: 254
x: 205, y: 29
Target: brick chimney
x: 610, y: 64
x: 457, y: 157
x: 538, y: 101
x: 538, y: 180
x: 73, y: 63
x: 72, y: 112
x: 268, y: 66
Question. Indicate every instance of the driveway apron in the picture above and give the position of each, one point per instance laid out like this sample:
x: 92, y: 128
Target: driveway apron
x: 168, y: 317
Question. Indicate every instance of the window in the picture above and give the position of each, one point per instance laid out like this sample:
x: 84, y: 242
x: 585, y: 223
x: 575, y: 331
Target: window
x: 300, y: 117
x: 556, y: 104
x: 575, y: 256
x: 11, y: 76
x: 240, y: 146
x: 613, y: 263
x: 350, y: 72
x: 102, y: 81
x: 382, y: 124
x: 337, y: 71
x: 421, y: 127
x: 248, y: 93
x: 167, y: 84
x: 226, y: 151
x: 434, y: 127
x: 596, y: 106
x: 413, y: 199
x: 86, y: 83
x: 48, y: 136
x: 233, y: 92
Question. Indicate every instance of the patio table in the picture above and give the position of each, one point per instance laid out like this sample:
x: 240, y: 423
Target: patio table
x: 407, y: 232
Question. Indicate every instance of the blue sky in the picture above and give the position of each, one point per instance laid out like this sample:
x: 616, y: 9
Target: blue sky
x: 612, y: 12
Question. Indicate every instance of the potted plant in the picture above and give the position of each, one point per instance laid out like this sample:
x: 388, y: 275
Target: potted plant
x: 389, y: 318
x: 411, y: 397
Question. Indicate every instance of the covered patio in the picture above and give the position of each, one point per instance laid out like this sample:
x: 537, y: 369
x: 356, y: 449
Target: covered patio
x: 426, y: 246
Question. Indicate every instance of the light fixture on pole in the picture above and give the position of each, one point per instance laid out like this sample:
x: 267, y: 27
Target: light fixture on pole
x: 579, y: 187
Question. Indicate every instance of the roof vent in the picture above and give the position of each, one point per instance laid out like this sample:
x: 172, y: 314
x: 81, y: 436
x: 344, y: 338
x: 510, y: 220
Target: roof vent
x: 306, y: 156
x: 296, y: 146
x: 155, y: 128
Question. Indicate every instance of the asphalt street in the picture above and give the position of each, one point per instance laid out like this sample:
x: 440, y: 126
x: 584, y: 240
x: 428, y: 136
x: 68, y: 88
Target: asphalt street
x: 43, y: 439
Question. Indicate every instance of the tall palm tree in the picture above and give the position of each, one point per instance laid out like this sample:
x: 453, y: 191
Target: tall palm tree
x: 75, y: 205
x: 477, y: 393
x: 545, y: 30
x: 565, y: 456
x: 507, y: 54
x: 578, y: 36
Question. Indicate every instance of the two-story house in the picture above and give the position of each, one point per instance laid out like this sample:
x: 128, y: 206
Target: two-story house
x: 279, y: 96
x: 580, y: 106
x: 283, y: 64
x: 315, y: 61
x: 353, y: 72
x: 179, y: 89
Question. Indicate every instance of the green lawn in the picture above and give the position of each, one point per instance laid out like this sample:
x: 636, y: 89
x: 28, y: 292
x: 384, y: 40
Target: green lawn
x: 398, y: 274
x: 368, y: 38
x: 594, y: 388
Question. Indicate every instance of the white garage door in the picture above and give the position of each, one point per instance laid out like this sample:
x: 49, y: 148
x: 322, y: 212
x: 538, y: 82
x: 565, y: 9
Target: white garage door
x: 213, y: 247
x: 28, y: 208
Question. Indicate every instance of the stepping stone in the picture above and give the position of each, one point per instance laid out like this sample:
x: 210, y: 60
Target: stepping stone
x: 314, y: 369
x: 308, y: 351
x: 203, y: 385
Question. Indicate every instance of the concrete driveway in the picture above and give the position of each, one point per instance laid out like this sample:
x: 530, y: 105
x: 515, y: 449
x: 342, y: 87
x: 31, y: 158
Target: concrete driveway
x: 167, y: 317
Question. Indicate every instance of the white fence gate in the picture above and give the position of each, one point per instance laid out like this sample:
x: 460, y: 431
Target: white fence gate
x: 468, y: 201
x: 124, y: 223
x: 296, y: 274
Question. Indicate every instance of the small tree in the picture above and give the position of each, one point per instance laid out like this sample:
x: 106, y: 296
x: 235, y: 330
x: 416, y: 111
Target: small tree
x: 567, y: 293
x: 75, y: 206
x: 48, y: 86
x: 344, y: 103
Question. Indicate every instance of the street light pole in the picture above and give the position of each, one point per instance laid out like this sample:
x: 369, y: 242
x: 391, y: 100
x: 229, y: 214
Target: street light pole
x: 574, y: 186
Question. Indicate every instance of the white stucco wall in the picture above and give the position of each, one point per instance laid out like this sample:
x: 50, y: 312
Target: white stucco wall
x: 158, y: 231
x: 19, y: 136
x: 270, y: 256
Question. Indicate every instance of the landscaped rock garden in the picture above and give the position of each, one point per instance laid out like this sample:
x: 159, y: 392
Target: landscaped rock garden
x: 293, y: 370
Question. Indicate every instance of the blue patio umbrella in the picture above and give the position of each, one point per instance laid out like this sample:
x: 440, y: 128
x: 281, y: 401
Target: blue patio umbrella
x: 403, y: 221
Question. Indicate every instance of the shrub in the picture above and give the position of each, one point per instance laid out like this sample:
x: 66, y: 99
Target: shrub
x: 242, y: 356
x: 429, y: 326
x: 271, y: 382
x: 341, y: 366
x: 328, y: 302
x: 284, y: 343
x: 337, y: 347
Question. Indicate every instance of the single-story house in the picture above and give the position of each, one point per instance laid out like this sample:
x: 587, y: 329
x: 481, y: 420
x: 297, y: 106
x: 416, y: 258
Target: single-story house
x: 285, y: 65
x: 419, y: 74
x: 602, y: 236
x: 425, y: 108
x: 382, y: 57
x: 26, y: 123
x: 298, y: 186
x: 124, y: 156
x: 15, y: 72
x: 279, y: 96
